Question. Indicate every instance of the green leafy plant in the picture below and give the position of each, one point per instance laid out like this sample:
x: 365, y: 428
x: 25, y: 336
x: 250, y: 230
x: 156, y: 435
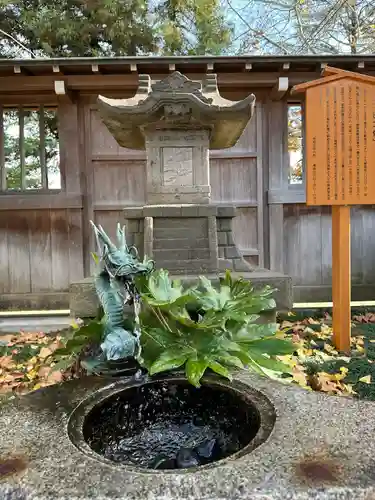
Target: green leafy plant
x: 204, y: 327
x: 75, y: 342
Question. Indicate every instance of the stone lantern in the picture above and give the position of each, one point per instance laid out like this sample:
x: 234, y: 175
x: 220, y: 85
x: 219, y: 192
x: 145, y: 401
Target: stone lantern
x: 177, y: 121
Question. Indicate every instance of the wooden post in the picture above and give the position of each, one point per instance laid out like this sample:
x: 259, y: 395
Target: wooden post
x: 341, y: 282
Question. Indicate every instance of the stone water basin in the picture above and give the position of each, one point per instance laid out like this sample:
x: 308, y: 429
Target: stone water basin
x: 320, y: 447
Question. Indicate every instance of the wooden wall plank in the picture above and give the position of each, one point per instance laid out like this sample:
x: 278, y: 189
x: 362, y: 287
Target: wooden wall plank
x: 86, y: 183
x: 4, y: 254
x: 326, y: 238
x: 368, y: 221
x: 358, y: 249
x: 245, y: 230
x: 109, y: 220
x: 278, y: 141
x: 69, y: 140
x: 259, y: 183
x: 39, y: 223
x: 309, y: 250
x: 102, y: 141
x: 276, y: 116
x: 234, y: 181
x: 119, y: 181
x: 19, y: 252
x: 290, y: 242
x: 59, y: 250
x: 76, y: 271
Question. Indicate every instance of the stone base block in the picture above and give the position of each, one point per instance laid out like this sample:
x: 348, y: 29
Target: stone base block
x: 84, y: 303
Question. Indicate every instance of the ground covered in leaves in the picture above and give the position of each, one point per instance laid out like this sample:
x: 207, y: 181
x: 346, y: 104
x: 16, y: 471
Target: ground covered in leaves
x: 316, y: 365
x: 27, y: 362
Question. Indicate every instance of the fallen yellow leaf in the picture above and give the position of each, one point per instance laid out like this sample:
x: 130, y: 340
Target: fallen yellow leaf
x: 329, y: 348
x: 32, y: 374
x: 8, y: 338
x: 312, y: 321
x: 342, y: 375
x: 44, y: 352
x: 366, y: 379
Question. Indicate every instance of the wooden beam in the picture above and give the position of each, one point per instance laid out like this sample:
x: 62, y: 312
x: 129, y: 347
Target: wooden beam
x: 3, y: 175
x: 286, y: 196
x: 98, y: 82
x: 59, y: 86
x: 62, y: 92
x: 21, y: 122
x: 101, y: 82
x: 37, y: 200
x: 280, y: 89
x: 21, y: 70
x: 28, y: 100
x: 42, y: 149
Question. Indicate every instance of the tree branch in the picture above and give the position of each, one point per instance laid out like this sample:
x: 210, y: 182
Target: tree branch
x: 263, y: 35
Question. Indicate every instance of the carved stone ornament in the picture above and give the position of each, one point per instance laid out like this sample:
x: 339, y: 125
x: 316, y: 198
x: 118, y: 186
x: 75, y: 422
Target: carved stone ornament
x: 176, y: 103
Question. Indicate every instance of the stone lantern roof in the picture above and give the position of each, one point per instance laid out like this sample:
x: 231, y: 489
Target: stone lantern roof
x: 176, y: 103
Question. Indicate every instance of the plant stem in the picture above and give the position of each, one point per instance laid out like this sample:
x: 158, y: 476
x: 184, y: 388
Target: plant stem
x: 161, y: 318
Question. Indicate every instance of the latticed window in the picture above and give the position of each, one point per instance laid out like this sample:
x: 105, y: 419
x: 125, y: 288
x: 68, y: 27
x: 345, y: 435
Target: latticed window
x: 29, y: 149
x: 295, y: 143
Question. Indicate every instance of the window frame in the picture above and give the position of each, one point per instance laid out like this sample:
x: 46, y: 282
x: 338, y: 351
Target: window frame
x: 44, y: 189
x: 302, y: 185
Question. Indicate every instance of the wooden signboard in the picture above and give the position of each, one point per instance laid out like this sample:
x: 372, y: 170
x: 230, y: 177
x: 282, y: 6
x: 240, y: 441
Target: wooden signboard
x: 340, y: 168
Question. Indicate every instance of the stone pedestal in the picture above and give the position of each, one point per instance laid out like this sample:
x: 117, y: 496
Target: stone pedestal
x: 186, y: 239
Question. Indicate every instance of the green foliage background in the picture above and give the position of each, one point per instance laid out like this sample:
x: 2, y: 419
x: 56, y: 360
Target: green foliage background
x: 114, y: 27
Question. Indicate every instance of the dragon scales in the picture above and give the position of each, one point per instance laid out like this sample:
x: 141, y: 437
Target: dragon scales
x: 115, y: 287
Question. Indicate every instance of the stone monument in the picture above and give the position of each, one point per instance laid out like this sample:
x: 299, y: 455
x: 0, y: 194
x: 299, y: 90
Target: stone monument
x: 177, y: 121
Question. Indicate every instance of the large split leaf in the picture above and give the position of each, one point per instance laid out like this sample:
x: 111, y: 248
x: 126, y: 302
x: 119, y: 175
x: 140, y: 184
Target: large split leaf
x: 207, y: 327
x: 169, y: 360
x: 162, y: 291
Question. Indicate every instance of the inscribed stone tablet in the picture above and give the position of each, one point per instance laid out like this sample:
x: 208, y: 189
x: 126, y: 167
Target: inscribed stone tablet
x: 177, y: 166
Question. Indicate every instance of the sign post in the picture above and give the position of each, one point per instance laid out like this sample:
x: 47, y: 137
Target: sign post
x: 340, y: 169
x: 341, y: 282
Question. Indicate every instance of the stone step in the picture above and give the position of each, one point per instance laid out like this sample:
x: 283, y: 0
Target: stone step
x: 44, y: 324
x: 182, y: 243
x: 84, y: 302
x: 173, y: 254
x: 180, y: 232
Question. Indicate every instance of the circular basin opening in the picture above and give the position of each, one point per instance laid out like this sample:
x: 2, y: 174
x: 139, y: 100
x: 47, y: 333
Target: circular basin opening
x: 169, y: 424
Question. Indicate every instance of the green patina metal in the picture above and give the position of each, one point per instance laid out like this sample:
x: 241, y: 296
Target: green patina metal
x: 115, y: 286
